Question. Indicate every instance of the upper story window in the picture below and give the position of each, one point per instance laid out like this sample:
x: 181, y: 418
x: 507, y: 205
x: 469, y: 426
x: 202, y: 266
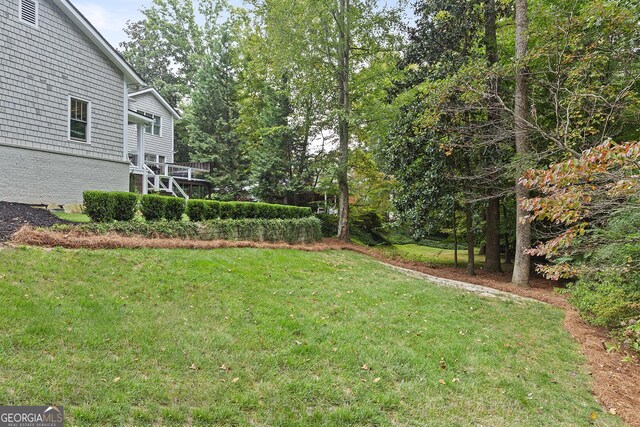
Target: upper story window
x: 79, y: 120
x: 29, y: 12
x: 154, y: 128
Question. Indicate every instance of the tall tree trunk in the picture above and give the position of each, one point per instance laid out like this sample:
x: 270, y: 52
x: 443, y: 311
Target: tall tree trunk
x: 492, y: 214
x: 492, y: 257
x: 468, y: 207
x: 343, y: 121
x: 522, y: 261
x: 455, y: 238
x: 507, y: 249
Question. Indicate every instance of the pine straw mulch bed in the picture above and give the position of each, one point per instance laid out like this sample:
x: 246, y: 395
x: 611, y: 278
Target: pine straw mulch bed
x: 616, y: 382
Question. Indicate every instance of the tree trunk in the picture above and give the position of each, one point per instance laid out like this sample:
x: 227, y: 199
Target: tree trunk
x: 492, y: 256
x: 492, y: 214
x: 507, y: 249
x: 455, y: 238
x: 521, y: 265
x: 343, y: 122
x: 468, y: 207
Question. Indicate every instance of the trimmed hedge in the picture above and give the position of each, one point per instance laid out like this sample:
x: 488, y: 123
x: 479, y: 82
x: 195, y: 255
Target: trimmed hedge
x: 243, y: 210
x: 174, y: 208
x: 196, y: 210
x: 124, y: 205
x: 153, y: 207
x: 297, y: 230
x: 98, y: 205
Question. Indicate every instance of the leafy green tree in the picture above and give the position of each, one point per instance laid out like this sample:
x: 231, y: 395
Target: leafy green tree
x: 212, y: 118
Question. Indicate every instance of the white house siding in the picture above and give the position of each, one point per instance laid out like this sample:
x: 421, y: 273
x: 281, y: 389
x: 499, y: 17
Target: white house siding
x: 159, y: 145
x: 41, y: 177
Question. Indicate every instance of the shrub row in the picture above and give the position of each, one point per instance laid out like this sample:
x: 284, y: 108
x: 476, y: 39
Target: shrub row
x: 297, y: 230
x: 105, y: 206
x: 154, y: 207
x: 199, y: 210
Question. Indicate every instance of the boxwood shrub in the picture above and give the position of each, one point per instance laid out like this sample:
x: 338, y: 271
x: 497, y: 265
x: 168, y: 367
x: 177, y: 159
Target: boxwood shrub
x: 124, y: 205
x: 98, y: 205
x: 174, y: 208
x: 196, y: 209
x: 152, y: 207
x: 245, y: 210
x: 213, y: 210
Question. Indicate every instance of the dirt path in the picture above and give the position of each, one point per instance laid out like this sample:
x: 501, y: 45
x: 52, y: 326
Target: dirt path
x: 616, y: 375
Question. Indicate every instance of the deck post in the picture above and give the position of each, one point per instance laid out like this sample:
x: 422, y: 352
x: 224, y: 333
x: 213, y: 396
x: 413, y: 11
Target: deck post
x: 140, y: 139
x: 145, y: 182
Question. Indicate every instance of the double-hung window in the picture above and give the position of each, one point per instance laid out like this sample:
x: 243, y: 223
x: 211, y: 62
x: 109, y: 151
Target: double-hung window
x: 79, y: 120
x: 154, y: 128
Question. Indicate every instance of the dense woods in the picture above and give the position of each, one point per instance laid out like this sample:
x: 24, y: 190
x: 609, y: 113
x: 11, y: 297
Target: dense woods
x: 508, y: 125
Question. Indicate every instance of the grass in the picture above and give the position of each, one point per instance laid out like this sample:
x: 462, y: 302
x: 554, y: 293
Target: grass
x: 73, y: 217
x: 413, y: 252
x: 276, y: 338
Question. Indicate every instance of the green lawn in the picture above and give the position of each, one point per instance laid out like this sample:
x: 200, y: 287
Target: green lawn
x: 73, y: 217
x: 413, y: 252
x: 276, y: 338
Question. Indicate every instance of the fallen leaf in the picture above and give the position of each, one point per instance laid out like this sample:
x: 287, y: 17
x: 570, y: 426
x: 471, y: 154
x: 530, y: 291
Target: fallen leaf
x: 612, y: 411
x: 455, y: 380
x: 235, y: 380
x: 193, y: 366
x: 376, y: 380
x: 365, y: 367
x: 442, y: 381
x: 224, y: 367
x: 116, y: 379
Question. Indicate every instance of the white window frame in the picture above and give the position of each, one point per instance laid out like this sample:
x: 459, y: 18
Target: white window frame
x: 154, y: 117
x: 37, y: 2
x: 89, y: 120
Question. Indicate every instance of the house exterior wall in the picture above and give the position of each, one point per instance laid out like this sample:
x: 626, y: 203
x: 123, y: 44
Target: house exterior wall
x: 160, y: 145
x: 43, y: 177
x: 40, y: 68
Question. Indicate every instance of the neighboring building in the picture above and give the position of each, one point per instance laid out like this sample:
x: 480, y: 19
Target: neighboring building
x: 68, y: 109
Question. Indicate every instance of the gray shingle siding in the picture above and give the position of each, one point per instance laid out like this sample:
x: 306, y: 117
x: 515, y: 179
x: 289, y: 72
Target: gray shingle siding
x: 42, y: 67
x: 160, y: 145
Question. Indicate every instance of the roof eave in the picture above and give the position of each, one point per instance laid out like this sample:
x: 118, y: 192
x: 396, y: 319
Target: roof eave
x: 159, y: 98
x: 130, y: 75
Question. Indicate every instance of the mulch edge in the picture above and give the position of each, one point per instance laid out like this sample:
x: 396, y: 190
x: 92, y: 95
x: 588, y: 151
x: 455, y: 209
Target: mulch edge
x: 615, y: 384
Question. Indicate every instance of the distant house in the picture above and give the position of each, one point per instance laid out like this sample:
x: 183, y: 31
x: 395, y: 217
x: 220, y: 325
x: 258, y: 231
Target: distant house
x: 74, y: 115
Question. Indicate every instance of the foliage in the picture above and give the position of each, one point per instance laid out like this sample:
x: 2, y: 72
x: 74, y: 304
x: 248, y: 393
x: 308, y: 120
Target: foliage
x: 98, y: 205
x: 213, y: 116
x: 592, y: 201
x: 365, y: 226
x: 124, y: 205
x: 153, y: 207
x: 582, y: 195
x: 295, y: 230
x: 174, y: 208
x: 196, y: 209
x: 211, y: 209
